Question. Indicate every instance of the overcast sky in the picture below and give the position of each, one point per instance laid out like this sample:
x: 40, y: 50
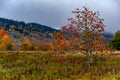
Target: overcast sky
x: 54, y: 13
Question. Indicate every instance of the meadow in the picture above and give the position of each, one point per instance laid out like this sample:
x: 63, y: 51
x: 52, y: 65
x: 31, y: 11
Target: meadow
x: 58, y: 66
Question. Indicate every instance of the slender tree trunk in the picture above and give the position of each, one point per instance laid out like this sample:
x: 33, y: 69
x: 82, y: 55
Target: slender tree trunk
x: 90, y: 60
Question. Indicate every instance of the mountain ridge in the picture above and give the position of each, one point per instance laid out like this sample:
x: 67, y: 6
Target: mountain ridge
x: 21, y: 26
x: 19, y: 29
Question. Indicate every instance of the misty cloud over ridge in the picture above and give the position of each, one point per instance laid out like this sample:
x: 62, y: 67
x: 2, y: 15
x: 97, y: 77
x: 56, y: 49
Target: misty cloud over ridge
x: 54, y: 13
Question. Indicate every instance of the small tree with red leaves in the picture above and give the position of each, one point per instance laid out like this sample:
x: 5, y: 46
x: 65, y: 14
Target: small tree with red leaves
x: 86, y: 28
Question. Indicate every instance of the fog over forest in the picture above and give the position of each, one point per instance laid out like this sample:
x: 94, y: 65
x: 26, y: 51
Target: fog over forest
x: 54, y: 13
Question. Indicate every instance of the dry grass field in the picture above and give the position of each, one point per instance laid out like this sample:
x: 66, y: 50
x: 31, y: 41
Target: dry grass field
x: 45, y: 66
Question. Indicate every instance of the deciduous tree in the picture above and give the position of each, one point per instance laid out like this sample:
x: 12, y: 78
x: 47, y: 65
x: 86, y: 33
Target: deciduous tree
x: 85, y: 29
x: 115, y: 40
x: 6, y: 43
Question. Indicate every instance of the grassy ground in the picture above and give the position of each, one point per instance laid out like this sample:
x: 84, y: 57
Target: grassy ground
x: 46, y: 66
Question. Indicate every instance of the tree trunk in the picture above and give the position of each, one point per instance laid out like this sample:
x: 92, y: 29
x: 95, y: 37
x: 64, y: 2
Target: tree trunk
x: 90, y: 60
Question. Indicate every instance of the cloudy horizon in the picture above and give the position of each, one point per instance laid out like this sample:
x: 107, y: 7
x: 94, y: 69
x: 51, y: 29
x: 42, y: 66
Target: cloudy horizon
x: 55, y: 13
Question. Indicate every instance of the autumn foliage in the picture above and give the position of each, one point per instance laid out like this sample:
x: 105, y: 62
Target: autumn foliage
x: 6, y: 43
x: 26, y: 44
x: 85, y: 31
x: 82, y: 33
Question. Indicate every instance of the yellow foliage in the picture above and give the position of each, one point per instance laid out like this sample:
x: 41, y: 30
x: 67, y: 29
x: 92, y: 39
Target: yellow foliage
x: 28, y: 45
x: 80, y: 47
x: 5, y: 36
x: 51, y: 47
x: 5, y: 42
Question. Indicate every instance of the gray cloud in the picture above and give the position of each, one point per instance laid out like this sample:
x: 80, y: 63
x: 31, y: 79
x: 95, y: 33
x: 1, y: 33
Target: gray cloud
x: 55, y: 13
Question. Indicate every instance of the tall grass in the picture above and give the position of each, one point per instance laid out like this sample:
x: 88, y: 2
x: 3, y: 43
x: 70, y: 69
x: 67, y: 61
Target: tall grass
x: 46, y: 66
